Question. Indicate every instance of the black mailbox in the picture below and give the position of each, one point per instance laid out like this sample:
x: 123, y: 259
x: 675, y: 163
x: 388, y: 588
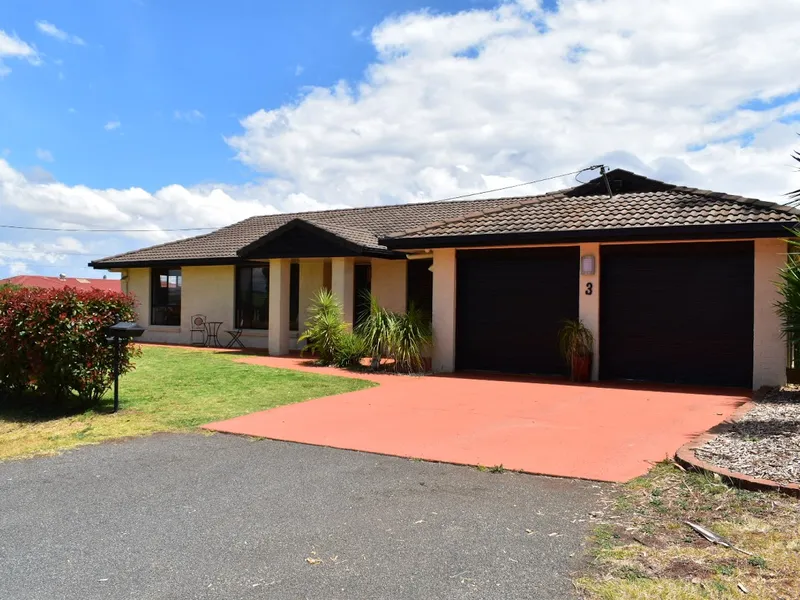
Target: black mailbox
x: 124, y: 330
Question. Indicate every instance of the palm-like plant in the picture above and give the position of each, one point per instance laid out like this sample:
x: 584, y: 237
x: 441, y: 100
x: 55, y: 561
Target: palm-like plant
x: 789, y: 287
x: 795, y: 195
x: 575, y: 340
x: 376, y: 329
x: 411, y: 338
x: 325, y: 326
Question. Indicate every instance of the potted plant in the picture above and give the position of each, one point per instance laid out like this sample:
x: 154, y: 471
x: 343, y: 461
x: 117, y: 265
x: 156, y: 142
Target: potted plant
x: 576, y: 343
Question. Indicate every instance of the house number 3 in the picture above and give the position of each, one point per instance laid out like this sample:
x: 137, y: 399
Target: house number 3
x: 589, y: 289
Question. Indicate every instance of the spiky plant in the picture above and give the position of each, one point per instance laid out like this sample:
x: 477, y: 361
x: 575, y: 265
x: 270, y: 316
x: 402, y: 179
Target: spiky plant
x: 411, y: 339
x: 376, y: 328
x: 325, y: 326
x: 575, y: 339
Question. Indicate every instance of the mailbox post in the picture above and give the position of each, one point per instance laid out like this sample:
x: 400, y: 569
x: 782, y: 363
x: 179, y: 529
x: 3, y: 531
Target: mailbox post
x: 116, y: 333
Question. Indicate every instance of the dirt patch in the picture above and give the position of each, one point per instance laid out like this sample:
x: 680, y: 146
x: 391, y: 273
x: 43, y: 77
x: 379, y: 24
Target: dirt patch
x: 642, y: 547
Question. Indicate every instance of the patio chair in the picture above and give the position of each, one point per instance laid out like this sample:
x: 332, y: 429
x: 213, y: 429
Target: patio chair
x: 198, y: 326
x: 236, y: 335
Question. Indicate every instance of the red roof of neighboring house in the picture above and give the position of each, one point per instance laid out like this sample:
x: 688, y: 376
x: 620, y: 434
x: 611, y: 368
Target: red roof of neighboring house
x: 39, y: 281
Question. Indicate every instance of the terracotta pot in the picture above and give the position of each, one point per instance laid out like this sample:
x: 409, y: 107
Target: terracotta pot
x: 581, y: 368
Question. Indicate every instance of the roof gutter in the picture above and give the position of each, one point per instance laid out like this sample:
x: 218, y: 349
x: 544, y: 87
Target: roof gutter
x: 680, y: 232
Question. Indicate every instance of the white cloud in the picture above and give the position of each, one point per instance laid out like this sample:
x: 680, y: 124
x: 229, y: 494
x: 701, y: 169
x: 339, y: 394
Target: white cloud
x: 298, y: 70
x: 112, y: 125
x: 71, y: 111
x: 13, y: 47
x: 44, y: 155
x: 18, y: 256
x: 190, y: 116
x: 54, y: 204
x: 457, y: 103
x: 519, y: 93
x: 54, y: 32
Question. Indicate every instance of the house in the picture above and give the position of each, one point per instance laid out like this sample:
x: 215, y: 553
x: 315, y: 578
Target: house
x: 676, y: 283
x: 62, y: 281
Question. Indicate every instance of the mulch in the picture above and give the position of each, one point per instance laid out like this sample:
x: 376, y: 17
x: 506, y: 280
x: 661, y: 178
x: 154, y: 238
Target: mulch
x: 764, y: 443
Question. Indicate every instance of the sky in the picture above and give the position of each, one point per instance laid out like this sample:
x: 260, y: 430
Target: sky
x: 154, y: 116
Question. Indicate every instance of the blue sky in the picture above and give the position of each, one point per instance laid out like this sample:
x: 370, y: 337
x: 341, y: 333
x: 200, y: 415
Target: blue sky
x: 137, y: 113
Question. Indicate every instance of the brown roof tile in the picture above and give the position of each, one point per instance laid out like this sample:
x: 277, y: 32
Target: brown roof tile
x: 638, y: 202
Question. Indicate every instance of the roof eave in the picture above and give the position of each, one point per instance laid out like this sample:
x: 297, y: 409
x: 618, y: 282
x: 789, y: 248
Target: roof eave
x: 668, y: 233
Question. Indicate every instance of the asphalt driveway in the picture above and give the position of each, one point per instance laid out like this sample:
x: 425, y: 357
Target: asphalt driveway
x: 199, y: 516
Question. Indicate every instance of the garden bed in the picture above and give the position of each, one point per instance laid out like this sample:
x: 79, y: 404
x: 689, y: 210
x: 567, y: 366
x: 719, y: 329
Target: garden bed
x: 764, y: 443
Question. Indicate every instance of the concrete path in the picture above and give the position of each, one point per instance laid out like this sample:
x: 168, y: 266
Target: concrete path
x: 224, y: 517
x: 598, y: 432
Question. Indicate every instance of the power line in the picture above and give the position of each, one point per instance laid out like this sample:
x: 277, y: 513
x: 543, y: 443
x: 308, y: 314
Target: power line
x: 500, y: 189
x: 516, y: 185
x: 77, y: 230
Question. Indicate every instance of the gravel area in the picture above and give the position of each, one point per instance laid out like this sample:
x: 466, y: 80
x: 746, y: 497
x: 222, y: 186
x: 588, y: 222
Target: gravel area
x: 764, y: 443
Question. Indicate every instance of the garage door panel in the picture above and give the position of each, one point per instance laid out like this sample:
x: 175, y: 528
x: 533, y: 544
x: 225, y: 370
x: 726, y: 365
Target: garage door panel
x: 677, y: 313
x: 510, y: 305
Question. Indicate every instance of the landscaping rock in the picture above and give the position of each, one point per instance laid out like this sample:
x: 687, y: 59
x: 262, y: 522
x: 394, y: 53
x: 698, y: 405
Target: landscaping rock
x: 764, y: 443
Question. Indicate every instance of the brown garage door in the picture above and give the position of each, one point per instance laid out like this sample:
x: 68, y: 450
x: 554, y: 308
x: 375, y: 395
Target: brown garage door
x: 510, y: 305
x: 677, y: 313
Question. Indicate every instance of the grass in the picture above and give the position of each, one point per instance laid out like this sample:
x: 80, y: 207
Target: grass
x: 171, y: 389
x: 643, y: 550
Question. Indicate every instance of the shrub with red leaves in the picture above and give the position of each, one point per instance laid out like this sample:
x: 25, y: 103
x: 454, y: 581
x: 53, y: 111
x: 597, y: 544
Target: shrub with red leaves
x: 53, y: 347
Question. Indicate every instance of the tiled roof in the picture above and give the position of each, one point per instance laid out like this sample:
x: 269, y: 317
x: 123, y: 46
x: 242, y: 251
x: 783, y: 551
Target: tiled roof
x: 564, y: 212
x: 638, y: 202
x: 40, y: 281
x: 358, y: 225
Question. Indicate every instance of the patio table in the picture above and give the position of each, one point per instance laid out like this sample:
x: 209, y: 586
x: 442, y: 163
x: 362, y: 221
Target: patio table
x: 212, y: 331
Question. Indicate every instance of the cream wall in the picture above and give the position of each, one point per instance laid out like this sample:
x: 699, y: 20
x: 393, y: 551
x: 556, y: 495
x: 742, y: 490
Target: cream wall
x: 444, y: 310
x: 389, y: 283
x: 312, y: 279
x: 589, y: 303
x: 769, y: 347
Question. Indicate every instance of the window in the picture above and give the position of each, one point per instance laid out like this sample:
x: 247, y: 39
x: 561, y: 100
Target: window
x: 252, y: 297
x: 165, y: 296
x: 419, y: 285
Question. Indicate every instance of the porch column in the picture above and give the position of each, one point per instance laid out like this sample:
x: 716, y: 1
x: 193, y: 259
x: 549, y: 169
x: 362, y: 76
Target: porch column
x: 444, y: 310
x: 589, y: 302
x: 769, y: 347
x: 312, y: 279
x: 342, y: 284
x: 279, y: 277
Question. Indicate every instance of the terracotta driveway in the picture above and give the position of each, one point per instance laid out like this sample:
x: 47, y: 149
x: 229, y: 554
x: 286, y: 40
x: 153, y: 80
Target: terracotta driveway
x: 600, y: 432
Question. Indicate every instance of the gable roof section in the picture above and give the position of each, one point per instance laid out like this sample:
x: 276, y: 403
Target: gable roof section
x: 640, y: 207
x: 663, y: 210
x: 307, y: 238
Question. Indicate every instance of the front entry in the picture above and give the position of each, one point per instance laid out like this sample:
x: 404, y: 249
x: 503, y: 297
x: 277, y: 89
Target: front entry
x: 510, y: 305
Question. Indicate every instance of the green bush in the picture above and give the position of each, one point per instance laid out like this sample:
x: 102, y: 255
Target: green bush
x: 376, y: 328
x: 350, y: 349
x: 789, y: 288
x: 325, y: 326
x: 54, y: 351
x: 411, y: 338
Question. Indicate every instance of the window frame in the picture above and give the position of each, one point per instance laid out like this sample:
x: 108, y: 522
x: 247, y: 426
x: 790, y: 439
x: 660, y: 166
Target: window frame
x: 239, y: 319
x: 167, y: 310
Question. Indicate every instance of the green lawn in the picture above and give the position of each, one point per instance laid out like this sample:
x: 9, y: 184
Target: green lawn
x: 171, y: 390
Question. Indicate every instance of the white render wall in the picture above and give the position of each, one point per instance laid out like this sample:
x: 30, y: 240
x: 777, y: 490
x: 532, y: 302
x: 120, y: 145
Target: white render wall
x: 589, y: 303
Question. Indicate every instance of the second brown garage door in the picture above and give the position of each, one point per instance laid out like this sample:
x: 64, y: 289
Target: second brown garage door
x: 510, y: 305
x: 677, y: 313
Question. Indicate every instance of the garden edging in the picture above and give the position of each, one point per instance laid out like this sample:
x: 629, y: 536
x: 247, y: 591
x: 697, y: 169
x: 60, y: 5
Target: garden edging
x: 686, y: 457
